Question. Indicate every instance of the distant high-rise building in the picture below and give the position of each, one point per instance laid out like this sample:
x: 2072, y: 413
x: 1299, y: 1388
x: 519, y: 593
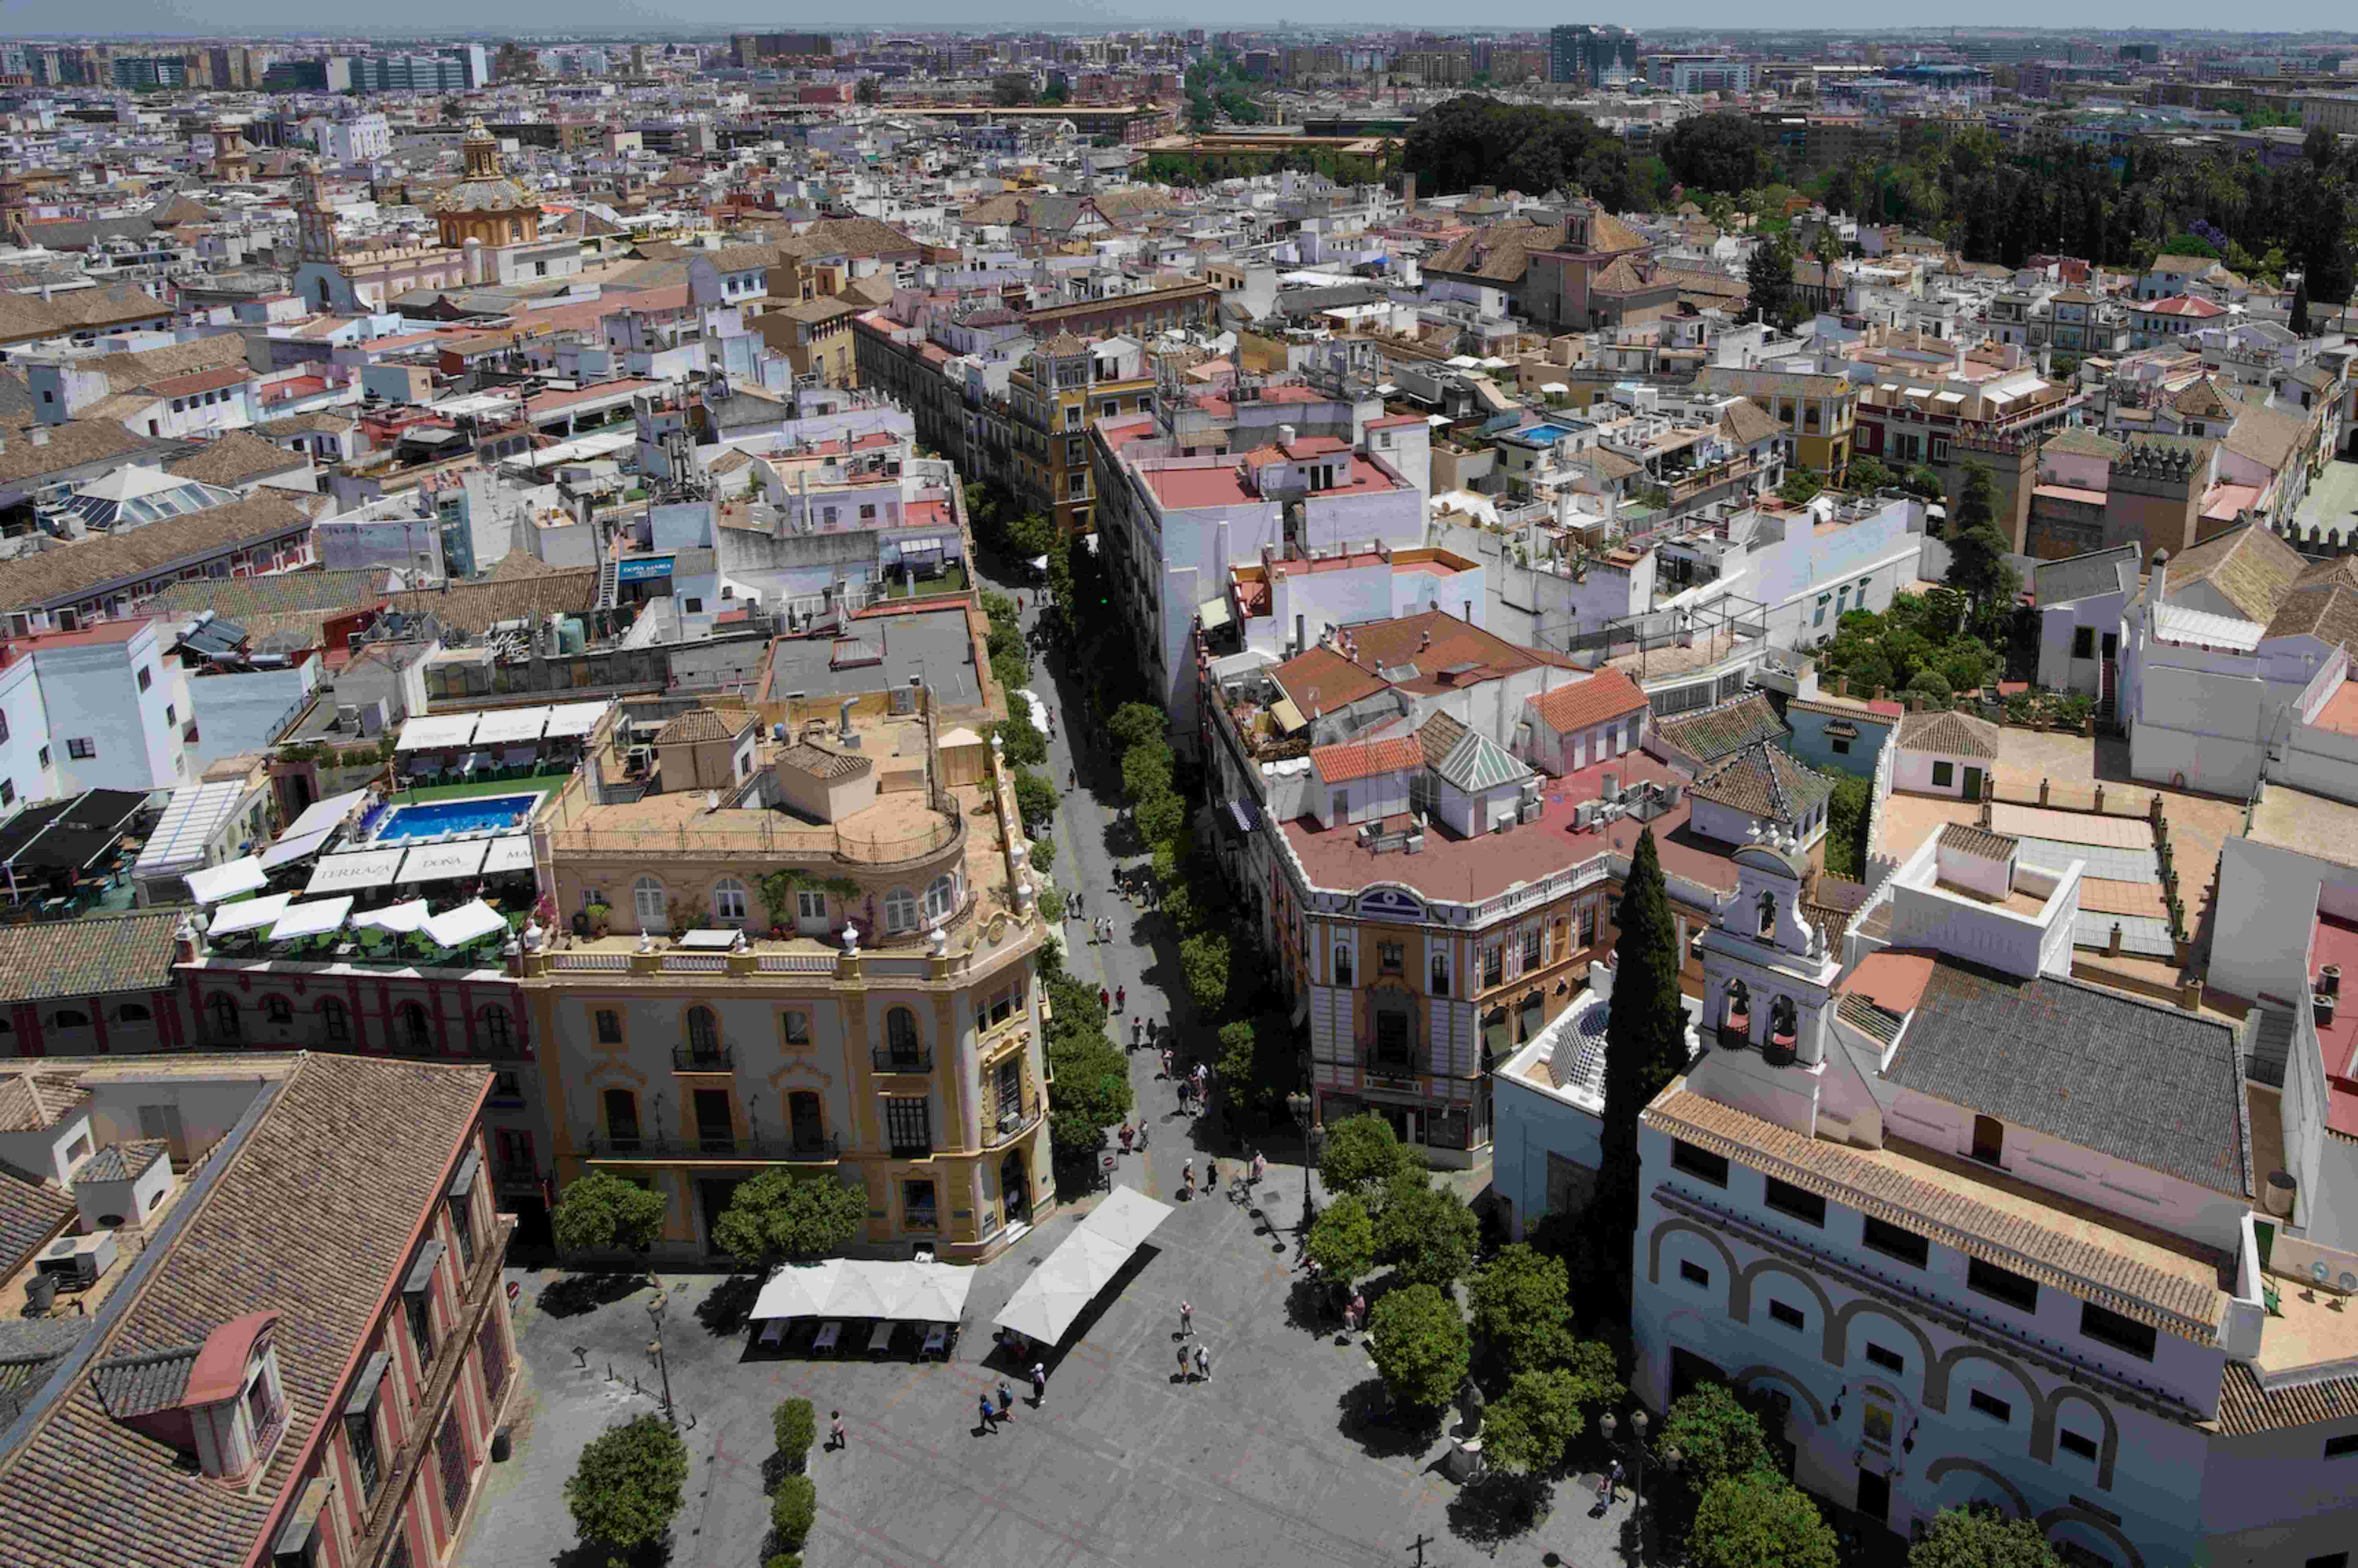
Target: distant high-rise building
x: 749, y: 49
x: 150, y: 71
x: 331, y: 74
x: 1588, y: 54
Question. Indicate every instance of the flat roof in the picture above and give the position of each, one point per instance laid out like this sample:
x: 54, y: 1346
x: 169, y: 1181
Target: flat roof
x: 933, y: 645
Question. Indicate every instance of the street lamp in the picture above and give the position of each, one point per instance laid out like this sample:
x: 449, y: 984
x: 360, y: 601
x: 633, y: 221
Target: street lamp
x: 656, y: 1349
x: 1303, y: 1107
x: 1606, y: 1426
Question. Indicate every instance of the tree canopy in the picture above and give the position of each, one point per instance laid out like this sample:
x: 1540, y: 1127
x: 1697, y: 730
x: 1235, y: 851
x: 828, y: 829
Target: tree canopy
x: 782, y: 1215
x: 1715, y: 1435
x: 602, y: 1212
x: 629, y: 1485
x: 1521, y: 1307
x: 1362, y: 1155
x: 1421, y: 1345
x: 1645, y: 1048
x: 1981, y: 1537
x: 1425, y: 1231
x: 1342, y: 1240
x: 1471, y: 140
x: 1759, y: 1521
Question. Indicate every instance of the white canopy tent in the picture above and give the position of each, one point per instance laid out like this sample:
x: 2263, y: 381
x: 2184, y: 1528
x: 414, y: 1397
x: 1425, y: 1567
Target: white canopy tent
x: 434, y: 731
x: 512, y: 853
x: 210, y: 884
x: 441, y: 862
x: 291, y: 849
x: 510, y: 726
x: 402, y: 918
x: 322, y: 814
x: 457, y: 928
x: 249, y: 914
x: 316, y: 919
x: 1060, y: 1289
x: 850, y: 1287
x: 574, y: 718
x: 349, y: 873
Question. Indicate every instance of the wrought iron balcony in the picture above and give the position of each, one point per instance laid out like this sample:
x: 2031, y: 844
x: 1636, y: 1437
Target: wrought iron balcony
x: 703, y: 1059
x: 888, y: 1060
x: 717, y: 1147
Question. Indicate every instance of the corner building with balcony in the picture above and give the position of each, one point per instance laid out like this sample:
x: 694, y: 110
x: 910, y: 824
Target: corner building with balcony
x: 880, y: 1024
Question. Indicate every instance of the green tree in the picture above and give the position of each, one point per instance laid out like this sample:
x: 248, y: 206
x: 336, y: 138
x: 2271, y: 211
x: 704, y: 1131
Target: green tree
x: 1092, y: 1091
x: 1800, y: 487
x: 1011, y: 90
x: 1136, y: 724
x: 1527, y: 1429
x: 1035, y: 797
x: 1425, y: 1231
x: 602, y: 1212
x: 1846, y: 819
x: 628, y: 1486
x: 870, y: 90
x: 1258, y: 1059
x: 794, y: 1509
x: 1203, y: 965
x: 1867, y: 473
x: 1159, y: 815
x: 1715, y: 1435
x: 1033, y: 536
x: 1362, y: 1155
x: 1645, y: 1048
x: 1977, y: 548
x: 1342, y: 1240
x: 1931, y: 690
x: 1025, y: 746
x: 794, y: 1424
x: 2298, y: 320
x: 1759, y: 1521
x: 1421, y: 1345
x: 781, y: 1214
x: 1769, y: 281
x: 1521, y: 1306
x: 1146, y: 769
x: 1923, y: 481
x: 1979, y: 1536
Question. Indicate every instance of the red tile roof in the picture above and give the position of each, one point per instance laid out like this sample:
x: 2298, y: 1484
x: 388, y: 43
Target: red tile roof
x: 1365, y: 759
x: 1605, y: 695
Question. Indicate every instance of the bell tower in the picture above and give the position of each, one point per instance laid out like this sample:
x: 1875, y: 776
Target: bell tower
x: 481, y: 150
x: 1767, y: 986
x: 315, y: 225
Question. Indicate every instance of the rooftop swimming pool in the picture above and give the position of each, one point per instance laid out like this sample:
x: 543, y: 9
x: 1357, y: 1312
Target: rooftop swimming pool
x: 470, y: 814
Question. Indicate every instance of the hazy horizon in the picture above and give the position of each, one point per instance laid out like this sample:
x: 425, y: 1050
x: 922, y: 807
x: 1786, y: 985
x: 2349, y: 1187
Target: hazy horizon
x: 283, y: 18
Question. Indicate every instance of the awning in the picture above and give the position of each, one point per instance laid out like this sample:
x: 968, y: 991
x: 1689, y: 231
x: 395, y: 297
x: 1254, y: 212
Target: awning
x: 314, y: 919
x: 321, y: 815
x: 468, y: 921
x: 512, y: 853
x: 1214, y: 613
x: 350, y: 873
x: 1246, y: 814
x: 288, y: 850
x: 569, y: 719
x: 851, y: 1287
x: 1287, y: 714
x: 1061, y: 1288
x: 249, y: 914
x: 440, y: 863
x: 436, y: 731
x: 402, y: 918
x: 710, y: 940
x: 508, y: 726
x: 210, y: 884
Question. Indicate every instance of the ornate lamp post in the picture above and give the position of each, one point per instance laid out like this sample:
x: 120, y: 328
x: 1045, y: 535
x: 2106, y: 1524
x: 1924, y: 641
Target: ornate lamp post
x: 1606, y: 1427
x: 655, y: 1348
x: 1303, y: 1107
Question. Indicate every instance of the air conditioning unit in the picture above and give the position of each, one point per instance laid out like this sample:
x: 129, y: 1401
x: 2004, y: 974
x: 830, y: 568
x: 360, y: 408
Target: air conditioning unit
x: 79, y: 1260
x: 1008, y: 1121
x: 1529, y: 811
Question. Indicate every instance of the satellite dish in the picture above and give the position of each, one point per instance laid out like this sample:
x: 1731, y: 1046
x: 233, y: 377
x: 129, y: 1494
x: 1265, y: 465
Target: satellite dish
x: 2349, y: 1281
x: 2317, y: 1271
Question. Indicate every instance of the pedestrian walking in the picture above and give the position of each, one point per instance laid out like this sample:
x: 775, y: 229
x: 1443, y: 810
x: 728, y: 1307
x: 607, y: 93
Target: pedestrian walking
x: 1039, y: 1384
x: 1260, y: 1169
x: 1019, y: 604
x: 1105, y: 998
x: 1126, y: 1136
x: 1186, y: 1320
x: 1212, y: 1175
x: 1187, y: 1179
x: 1077, y: 905
x: 1006, y: 1401
x: 1166, y: 1061
x: 990, y: 1415
x: 1356, y: 1313
x: 1203, y: 1362
x: 835, y: 1437
x: 1137, y: 1028
x: 1120, y: 998
x: 1142, y: 1135
x: 1072, y: 779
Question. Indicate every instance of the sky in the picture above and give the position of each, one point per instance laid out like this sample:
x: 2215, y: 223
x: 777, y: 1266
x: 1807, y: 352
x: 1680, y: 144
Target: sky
x: 196, y: 18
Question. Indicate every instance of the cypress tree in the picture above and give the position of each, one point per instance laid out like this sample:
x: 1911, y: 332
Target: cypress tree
x: 2299, y: 322
x: 1645, y: 1048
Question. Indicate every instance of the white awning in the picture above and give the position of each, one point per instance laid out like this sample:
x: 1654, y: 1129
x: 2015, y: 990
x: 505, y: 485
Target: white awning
x: 1060, y: 1289
x: 321, y: 815
x: 210, y: 884
x: 456, y: 927
x: 435, y: 730
x: 710, y: 940
x: 313, y: 919
x: 440, y: 863
x: 851, y: 1287
x: 574, y: 718
x: 350, y: 873
x: 512, y: 853
x: 289, y: 850
x: 1214, y: 613
x: 249, y: 914
x: 508, y: 726
x: 1555, y: 389
x: 401, y: 917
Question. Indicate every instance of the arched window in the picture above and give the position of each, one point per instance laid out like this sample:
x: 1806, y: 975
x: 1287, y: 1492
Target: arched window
x: 278, y: 1010
x: 1768, y: 914
x: 901, y: 1042
x: 134, y: 1013
x: 499, y: 1030
x: 729, y: 901
x: 223, y: 1007
x: 900, y: 909
x: 515, y: 230
x: 647, y: 903
x: 1740, y: 1006
x: 1781, y: 1022
x: 74, y: 1018
x: 1342, y: 963
x: 941, y: 899
x: 622, y: 1119
x: 1440, y: 974
x: 335, y: 1023
x: 415, y: 1033
x: 703, y: 1032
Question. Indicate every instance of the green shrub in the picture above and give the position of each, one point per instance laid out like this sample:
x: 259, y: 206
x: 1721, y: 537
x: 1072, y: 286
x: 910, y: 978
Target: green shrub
x: 796, y: 1425
x: 794, y: 1508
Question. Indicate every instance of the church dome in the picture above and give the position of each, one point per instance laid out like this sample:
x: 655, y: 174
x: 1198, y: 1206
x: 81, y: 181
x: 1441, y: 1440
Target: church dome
x: 486, y: 189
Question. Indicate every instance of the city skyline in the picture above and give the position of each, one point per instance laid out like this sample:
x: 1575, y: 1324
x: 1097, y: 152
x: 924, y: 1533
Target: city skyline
x: 280, y: 20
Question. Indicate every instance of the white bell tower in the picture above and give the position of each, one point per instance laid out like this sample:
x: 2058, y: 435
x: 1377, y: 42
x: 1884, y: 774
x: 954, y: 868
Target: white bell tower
x: 1769, y: 980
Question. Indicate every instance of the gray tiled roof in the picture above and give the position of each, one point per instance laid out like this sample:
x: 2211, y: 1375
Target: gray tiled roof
x: 30, y: 1213
x: 94, y: 956
x: 1967, y: 839
x: 1724, y: 730
x: 2154, y: 1086
x: 2081, y: 576
x: 1948, y: 735
x: 120, y: 1161
x: 141, y: 1385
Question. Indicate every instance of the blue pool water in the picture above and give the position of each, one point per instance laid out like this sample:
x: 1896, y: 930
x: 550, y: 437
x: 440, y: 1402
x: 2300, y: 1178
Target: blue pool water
x: 474, y: 813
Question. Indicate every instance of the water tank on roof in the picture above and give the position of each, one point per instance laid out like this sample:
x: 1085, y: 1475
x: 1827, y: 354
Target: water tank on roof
x: 572, y: 636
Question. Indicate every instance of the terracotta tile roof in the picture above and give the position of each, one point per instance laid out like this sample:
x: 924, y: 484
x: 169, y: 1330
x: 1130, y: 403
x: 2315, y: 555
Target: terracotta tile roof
x: 1980, y: 842
x: 59, y: 577
x: 1324, y: 677
x: 141, y: 1385
x: 698, y: 724
x: 1448, y: 653
x: 1763, y: 781
x: 1745, y: 422
x: 2323, y: 604
x: 820, y: 762
x: 2200, y: 399
x: 1365, y: 759
x: 1608, y: 694
x: 235, y: 457
x: 1439, y: 736
x: 2245, y: 1407
x: 1857, y: 712
x: 1949, y: 734
x: 2078, y: 1259
x: 30, y: 1213
x: 1716, y: 733
x: 2252, y: 569
x: 31, y: 1101
x: 477, y: 606
x: 71, y: 445
x: 326, y: 1264
x: 90, y: 957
